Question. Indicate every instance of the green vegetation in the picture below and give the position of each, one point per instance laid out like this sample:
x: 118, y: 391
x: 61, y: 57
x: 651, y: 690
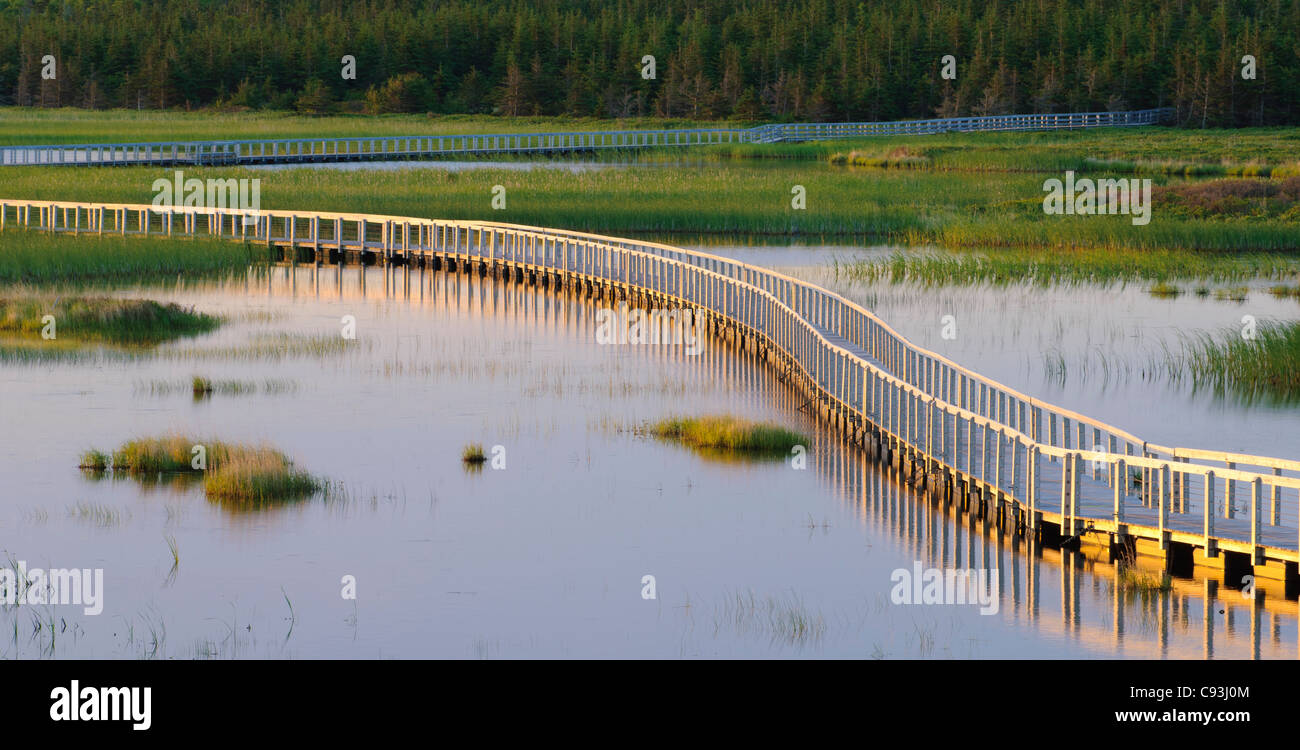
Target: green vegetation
x: 93, y: 460
x: 1265, y: 366
x: 1133, y: 580
x: 784, y: 59
x: 233, y: 473
x: 908, y: 207
x: 1147, y: 151
x: 473, y: 454
x: 20, y: 126
x: 728, y: 433
x: 102, y: 320
x: 38, y: 258
x: 260, y: 476
x: 203, y: 387
x: 1071, y: 266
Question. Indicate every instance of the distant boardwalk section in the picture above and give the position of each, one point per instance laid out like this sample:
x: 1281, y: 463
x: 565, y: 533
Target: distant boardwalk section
x: 312, y: 150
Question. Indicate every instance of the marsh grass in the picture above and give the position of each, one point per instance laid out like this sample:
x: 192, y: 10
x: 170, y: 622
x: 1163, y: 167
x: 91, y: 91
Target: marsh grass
x: 1068, y: 266
x: 1132, y: 579
x: 96, y: 461
x: 98, y: 514
x: 1266, y: 366
x: 914, y: 207
x: 26, y: 125
x: 728, y: 433
x: 1232, y: 294
x: 473, y: 454
x: 203, y: 387
x: 39, y: 258
x: 239, y: 474
x: 259, y: 477
x: 783, y: 619
x: 272, y: 347
x: 101, y: 320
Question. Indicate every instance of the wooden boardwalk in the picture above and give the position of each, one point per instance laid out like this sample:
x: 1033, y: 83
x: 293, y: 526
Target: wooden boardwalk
x: 316, y: 150
x: 1054, y: 473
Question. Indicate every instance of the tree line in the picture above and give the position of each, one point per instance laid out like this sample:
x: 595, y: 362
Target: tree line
x: 821, y: 60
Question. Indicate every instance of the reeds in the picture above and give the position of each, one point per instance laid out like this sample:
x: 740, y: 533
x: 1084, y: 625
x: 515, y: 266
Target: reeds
x: 1097, y: 265
x: 1264, y: 363
x: 39, y: 258
x: 728, y: 433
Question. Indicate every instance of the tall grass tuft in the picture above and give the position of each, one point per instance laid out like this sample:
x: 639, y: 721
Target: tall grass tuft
x: 728, y: 433
x: 473, y: 454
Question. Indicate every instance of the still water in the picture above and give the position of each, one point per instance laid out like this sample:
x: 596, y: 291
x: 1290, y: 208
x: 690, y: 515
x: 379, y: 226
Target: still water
x: 546, y: 557
x: 1090, y: 348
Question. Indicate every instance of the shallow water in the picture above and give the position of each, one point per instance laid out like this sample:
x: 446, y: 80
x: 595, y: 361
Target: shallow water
x: 543, y: 558
x: 1106, y: 336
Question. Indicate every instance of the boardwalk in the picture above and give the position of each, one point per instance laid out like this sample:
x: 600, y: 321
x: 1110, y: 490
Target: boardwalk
x: 1029, y: 464
x: 315, y: 150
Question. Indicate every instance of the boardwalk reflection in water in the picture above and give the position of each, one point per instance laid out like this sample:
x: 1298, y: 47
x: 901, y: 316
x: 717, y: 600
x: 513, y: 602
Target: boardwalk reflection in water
x: 1073, y: 596
x: 544, y: 559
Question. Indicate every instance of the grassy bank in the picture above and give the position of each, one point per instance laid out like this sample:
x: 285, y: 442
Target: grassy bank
x: 28, y: 257
x: 103, y: 320
x: 1146, y: 150
x: 1072, y: 266
x: 1247, y: 152
x: 726, y: 433
x: 26, y: 125
x: 918, y: 208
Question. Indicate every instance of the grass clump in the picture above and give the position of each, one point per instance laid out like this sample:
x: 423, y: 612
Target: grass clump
x: 93, y: 460
x: 473, y: 454
x: 232, y: 472
x: 104, y: 320
x: 1132, y: 579
x: 1165, y: 289
x: 729, y: 434
x: 260, y: 476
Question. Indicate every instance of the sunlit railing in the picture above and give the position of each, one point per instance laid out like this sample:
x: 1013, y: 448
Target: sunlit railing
x: 306, y: 150
x: 1045, y: 460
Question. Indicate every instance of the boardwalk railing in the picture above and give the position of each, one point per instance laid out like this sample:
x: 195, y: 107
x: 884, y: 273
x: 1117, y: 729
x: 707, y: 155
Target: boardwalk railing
x: 1049, y: 463
x: 305, y: 150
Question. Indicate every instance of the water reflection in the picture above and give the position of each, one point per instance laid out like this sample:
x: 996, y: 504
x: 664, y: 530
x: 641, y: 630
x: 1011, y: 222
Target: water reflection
x: 546, y: 557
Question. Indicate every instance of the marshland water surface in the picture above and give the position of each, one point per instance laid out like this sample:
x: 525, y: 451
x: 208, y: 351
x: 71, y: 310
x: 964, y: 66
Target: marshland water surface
x: 1101, y: 349
x: 544, y: 550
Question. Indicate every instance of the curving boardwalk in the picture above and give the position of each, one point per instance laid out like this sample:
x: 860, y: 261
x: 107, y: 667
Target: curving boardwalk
x: 312, y: 150
x: 1031, y: 465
